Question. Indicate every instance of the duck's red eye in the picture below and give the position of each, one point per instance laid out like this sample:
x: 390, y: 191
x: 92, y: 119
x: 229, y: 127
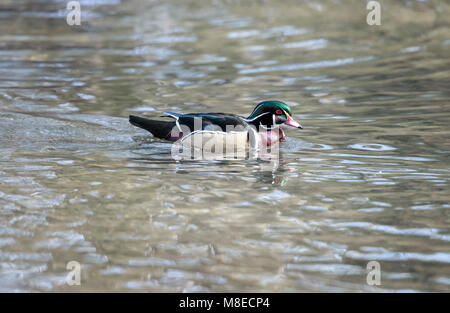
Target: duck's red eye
x: 279, y: 112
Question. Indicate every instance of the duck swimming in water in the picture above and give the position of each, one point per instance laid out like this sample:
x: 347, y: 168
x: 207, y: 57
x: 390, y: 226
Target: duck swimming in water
x: 262, y: 124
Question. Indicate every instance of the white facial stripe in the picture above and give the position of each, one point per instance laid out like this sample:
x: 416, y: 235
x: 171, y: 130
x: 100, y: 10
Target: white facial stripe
x: 256, y: 117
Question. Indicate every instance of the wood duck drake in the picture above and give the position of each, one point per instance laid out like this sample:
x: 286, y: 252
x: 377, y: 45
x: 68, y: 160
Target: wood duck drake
x: 262, y: 125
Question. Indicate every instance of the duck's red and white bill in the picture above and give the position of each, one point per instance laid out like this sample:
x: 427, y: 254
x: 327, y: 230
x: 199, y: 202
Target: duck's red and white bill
x: 291, y: 122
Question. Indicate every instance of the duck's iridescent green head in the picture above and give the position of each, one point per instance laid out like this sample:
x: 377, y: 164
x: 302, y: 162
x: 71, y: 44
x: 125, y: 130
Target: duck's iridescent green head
x: 270, y: 113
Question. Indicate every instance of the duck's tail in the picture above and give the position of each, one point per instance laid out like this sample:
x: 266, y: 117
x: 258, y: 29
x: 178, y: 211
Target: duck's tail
x: 159, y: 129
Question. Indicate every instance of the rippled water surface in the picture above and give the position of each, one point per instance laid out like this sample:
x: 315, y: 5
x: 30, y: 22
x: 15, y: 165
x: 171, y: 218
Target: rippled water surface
x: 366, y: 180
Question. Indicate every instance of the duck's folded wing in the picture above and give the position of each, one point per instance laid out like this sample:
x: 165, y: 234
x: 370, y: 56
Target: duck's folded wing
x: 210, y: 121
